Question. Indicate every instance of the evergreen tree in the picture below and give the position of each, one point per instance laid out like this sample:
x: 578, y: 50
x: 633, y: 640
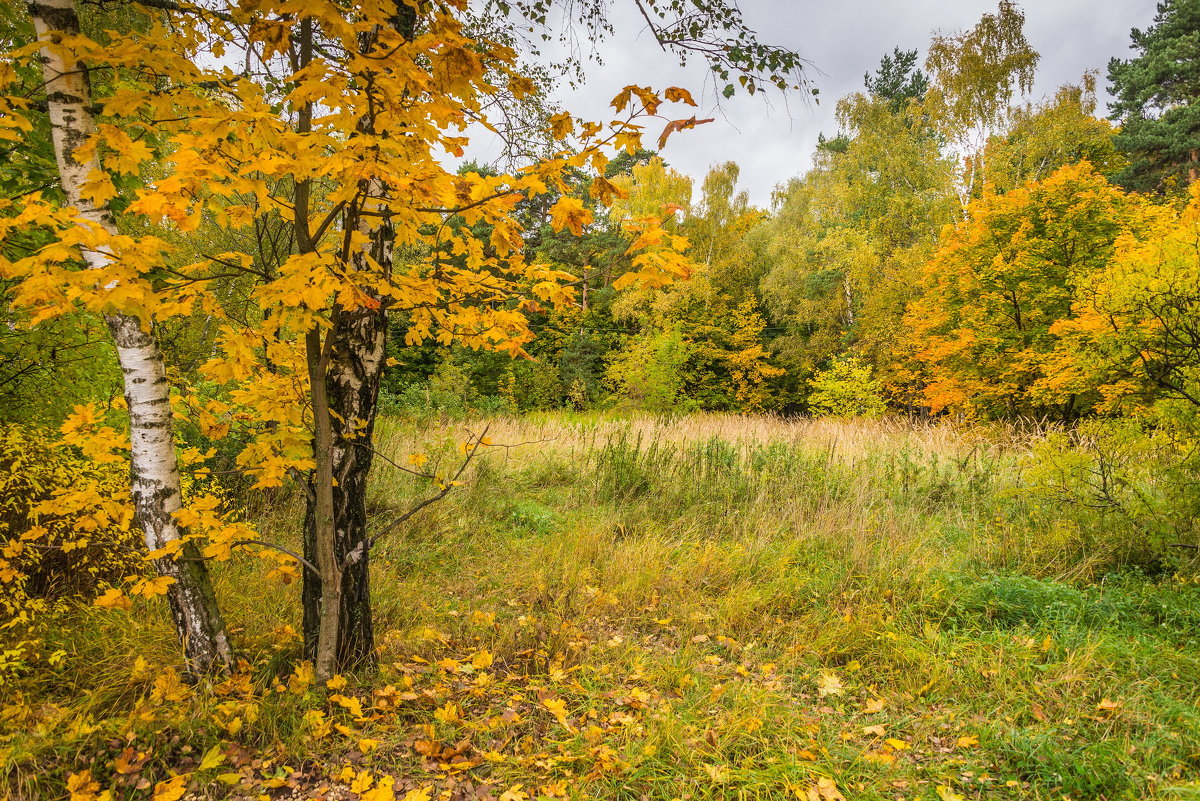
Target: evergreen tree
x: 898, y: 80
x: 1158, y: 100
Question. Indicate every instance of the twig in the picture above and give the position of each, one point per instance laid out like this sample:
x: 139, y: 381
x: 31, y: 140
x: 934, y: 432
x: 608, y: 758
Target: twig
x: 281, y: 549
x: 367, y: 543
x: 387, y: 459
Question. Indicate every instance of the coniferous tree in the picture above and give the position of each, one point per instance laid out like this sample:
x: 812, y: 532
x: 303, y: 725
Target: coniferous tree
x: 1158, y: 100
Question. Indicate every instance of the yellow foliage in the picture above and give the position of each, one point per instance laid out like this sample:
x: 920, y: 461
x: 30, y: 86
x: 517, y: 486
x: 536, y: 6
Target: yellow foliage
x: 172, y: 789
x: 986, y: 334
x: 64, y: 526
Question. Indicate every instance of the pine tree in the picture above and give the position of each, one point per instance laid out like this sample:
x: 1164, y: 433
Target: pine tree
x: 1158, y: 100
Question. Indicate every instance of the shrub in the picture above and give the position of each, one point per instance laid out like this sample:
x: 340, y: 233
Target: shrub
x: 1130, y: 484
x: 649, y: 373
x: 65, y: 532
x: 846, y: 389
x: 65, y: 522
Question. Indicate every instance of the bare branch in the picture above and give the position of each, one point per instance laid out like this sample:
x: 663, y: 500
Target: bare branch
x: 281, y: 549
x: 367, y: 543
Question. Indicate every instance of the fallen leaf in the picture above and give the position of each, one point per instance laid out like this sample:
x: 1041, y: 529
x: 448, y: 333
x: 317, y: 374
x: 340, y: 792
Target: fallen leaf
x: 825, y: 790
x: 829, y: 684
x: 171, y: 789
x: 212, y: 758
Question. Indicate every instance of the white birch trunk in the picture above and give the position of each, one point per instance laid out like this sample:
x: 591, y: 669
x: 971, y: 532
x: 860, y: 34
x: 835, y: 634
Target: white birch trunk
x: 155, y: 470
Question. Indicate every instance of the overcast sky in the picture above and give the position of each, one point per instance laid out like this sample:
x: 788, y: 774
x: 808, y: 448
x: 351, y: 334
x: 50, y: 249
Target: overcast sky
x: 773, y: 139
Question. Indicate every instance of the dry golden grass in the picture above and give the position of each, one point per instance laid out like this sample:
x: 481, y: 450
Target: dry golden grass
x: 576, y: 434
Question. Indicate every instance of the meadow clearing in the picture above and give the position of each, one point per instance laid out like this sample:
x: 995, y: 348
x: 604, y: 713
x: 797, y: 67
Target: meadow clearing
x: 705, y: 606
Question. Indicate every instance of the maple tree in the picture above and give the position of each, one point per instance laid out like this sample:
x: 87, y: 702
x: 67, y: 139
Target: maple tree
x: 985, y: 324
x: 338, y: 521
x: 1133, y: 332
x: 350, y: 174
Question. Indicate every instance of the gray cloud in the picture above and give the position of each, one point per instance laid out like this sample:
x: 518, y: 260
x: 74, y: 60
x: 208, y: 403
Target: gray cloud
x: 772, y: 138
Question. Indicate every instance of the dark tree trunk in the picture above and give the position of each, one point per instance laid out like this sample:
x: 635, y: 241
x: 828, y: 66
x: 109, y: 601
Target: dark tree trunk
x: 356, y: 361
x: 355, y: 370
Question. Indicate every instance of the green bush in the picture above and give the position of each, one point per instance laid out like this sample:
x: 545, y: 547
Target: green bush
x: 648, y: 374
x: 1132, y: 486
x: 846, y: 389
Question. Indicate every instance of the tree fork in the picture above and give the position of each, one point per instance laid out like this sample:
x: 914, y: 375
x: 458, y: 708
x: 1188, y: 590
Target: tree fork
x: 352, y: 374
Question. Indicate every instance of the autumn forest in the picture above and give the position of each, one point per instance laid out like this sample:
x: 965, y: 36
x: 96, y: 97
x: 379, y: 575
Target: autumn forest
x: 345, y: 455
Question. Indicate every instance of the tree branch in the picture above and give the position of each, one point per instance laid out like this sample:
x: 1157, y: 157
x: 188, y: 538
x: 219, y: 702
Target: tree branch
x: 281, y: 549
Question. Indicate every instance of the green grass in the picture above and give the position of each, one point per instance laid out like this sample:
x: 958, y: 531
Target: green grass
x: 726, y: 607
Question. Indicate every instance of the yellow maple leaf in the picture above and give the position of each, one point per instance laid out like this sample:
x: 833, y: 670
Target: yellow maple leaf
x: 556, y: 707
x: 383, y: 791
x: 829, y: 684
x: 362, y: 782
x: 677, y: 94
x: 212, y: 758
x: 301, y: 678
x: 318, y: 725
x: 827, y: 790
x: 447, y: 713
x: 349, y: 703
x: 82, y: 786
x: 149, y: 588
x: 171, y: 789
x: 98, y: 188
x: 570, y: 213
x: 114, y: 599
x: 169, y: 687
x: 561, y: 125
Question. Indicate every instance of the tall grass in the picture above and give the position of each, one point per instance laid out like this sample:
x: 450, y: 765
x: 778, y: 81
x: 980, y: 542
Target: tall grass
x: 884, y: 604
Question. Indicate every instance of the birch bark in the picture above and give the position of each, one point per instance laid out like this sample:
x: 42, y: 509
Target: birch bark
x: 352, y: 375
x: 154, y: 477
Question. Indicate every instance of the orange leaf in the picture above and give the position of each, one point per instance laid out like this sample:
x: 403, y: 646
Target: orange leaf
x: 678, y: 125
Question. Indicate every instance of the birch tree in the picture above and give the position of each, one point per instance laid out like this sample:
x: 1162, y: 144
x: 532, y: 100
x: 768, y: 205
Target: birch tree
x: 155, y: 480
